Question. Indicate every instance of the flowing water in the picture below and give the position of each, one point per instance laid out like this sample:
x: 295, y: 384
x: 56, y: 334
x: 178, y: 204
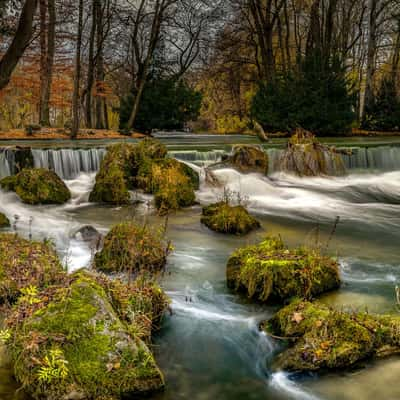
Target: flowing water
x: 210, y: 347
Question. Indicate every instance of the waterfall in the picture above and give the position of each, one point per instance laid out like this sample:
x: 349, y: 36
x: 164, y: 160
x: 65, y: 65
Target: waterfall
x: 201, y: 158
x: 68, y: 163
x: 381, y: 158
x: 6, y: 162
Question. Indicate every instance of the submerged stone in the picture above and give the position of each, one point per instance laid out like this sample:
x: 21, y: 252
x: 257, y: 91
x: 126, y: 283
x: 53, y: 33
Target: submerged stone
x: 130, y: 247
x: 37, y: 186
x: 306, y: 156
x: 72, y: 343
x: 4, y: 221
x: 224, y: 218
x: 321, y: 338
x: 26, y: 264
x: 271, y: 272
x: 247, y: 158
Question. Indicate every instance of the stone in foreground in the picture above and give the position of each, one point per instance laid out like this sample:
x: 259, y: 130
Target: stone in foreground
x: 73, y: 345
x: 321, y: 338
x: 271, y: 272
x: 224, y: 218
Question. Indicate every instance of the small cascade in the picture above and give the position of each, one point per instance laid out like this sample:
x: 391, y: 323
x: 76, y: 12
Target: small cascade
x: 7, y: 162
x: 380, y: 158
x: 68, y: 163
x: 201, y: 158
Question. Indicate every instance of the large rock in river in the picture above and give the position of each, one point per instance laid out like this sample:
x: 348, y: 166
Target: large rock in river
x: 306, y: 156
x: 37, y: 186
x: 248, y: 158
x: 131, y: 248
x: 271, y: 272
x: 72, y: 344
x: 321, y: 338
x: 224, y: 218
x: 4, y: 221
x: 144, y: 166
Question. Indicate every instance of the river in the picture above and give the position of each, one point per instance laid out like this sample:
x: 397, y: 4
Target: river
x: 210, y: 347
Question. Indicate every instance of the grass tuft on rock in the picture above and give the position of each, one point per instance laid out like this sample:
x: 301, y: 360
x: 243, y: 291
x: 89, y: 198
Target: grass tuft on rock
x: 26, y: 264
x: 322, y: 338
x: 37, y: 186
x: 271, y: 272
x: 224, y: 218
x: 306, y: 156
x: 131, y: 247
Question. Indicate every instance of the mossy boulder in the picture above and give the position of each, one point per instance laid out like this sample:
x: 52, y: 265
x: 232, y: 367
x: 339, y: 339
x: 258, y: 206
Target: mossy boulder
x: 248, y: 158
x: 37, y: 186
x: 71, y: 344
x: 4, y: 221
x: 321, y: 338
x: 26, y: 264
x: 144, y: 166
x: 132, y: 248
x: 271, y: 272
x: 306, y: 156
x: 114, y: 179
x: 224, y: 218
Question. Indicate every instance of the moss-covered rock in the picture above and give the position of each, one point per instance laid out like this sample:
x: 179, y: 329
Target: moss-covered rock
x: 71, y: 343
x: 144, y: 166
x: 306, y: 156
x: 131, y: 247
x: 37, y: 186
x: 323, y: 338
x: 270, y: 272
x: 4, y: 221
x: 224, y: 218
x: 248, y: 158
x: 26, y: 264
x: 114, y: 179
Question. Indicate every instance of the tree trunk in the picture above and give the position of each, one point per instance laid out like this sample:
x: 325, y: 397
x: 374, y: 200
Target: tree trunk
x: 47, y: 46
x: 91, y: 68
x: 77, y: 75
x: 99, y: 70
x: 369, y: 79
x: 19, y: 44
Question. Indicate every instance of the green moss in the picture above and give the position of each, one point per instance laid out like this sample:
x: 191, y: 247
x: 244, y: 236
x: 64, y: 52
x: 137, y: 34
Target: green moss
x: 144, y: 166
x: 23, y: 264
x: 247, y: 158
x: 272, y: 272
x: 37, y: 186
x: 4, y: 221
x: 221, y: 217
x: 114, y: 178
x: 101, y: 357
x: 130, y: 247
x: 324, y: 338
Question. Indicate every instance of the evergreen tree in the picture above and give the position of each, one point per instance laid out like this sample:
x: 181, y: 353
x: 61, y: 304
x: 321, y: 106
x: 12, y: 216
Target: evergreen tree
x: 316, y: 98
x: 384, y: 113
x: 165, y: 104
